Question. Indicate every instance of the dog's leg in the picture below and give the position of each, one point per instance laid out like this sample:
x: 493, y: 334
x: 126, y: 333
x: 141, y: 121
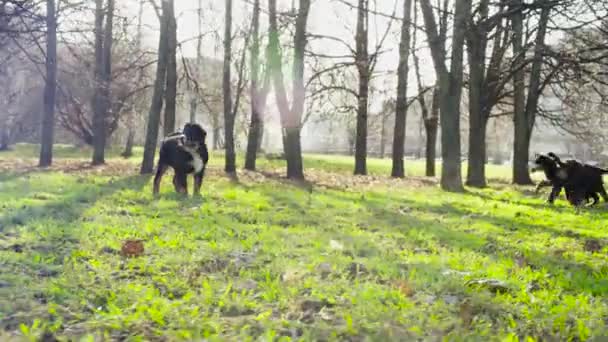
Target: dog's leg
x: 198, y: 182
x: 554, y: 193
x: 180, y: 181
x: 603, y: 193
x: 542, y: 184
x: 162, y: 168
x: 595, y: 197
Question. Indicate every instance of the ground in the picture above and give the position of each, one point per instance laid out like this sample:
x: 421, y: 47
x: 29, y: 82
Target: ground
x: 338, y: 258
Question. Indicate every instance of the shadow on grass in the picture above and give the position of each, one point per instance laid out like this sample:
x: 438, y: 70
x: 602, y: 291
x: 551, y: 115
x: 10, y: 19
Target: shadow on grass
x: 70, y: 206
x: 567, y: 274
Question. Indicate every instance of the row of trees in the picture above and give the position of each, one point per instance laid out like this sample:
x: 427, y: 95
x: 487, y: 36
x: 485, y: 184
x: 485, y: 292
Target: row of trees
x: 491, y: 59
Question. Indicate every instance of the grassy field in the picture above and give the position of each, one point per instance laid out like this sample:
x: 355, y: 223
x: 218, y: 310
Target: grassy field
x: 259, y: 258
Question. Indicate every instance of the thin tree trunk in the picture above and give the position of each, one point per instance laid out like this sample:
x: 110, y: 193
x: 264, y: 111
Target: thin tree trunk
x: 258, y: 96
x: 98, y: 115
x: 199, y: 61
x: 291, y: 118
x: 476, y: 167
x: 450, y: 90
x: 401, y: 109
x: 430, y: 126
x: 156, y: 106
x: 477, y: 117
x: 230, y: 160
x: 105, y: 79
x: 524, y: 124
x: 362, y: 61
x: 430, y: 118
x: 50, y: 89
x: 171, y: 90
x: 383, y: 135
x: 128, y: 152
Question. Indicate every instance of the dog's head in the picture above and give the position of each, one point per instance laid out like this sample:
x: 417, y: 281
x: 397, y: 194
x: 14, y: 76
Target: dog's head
x: 195, y: 135
x: 543, y: 163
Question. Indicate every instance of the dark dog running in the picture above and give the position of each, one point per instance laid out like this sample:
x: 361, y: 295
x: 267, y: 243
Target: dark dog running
x: 186, y: 153
x: 581, y: 182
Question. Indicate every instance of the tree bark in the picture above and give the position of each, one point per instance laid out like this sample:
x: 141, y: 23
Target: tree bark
x: 258, y: 96
x: 362, y: 62
x: 450, y: 90
x: 104, y: 82
x: 401, y: 108
x: 199, y: 60
x: 50, y: 89
x: 525, y: 111
x: 430, y: 126
x: 147, y: 165
x: 291, y: 117
x: 128, y: 152
x: 171, y: 89
x: 476, y: 50
x: 230, y: 159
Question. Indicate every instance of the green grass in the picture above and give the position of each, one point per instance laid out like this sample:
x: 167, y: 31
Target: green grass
x: 344, y: 259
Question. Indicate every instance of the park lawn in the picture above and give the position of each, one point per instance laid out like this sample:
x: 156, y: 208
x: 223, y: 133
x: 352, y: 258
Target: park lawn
x: 339, y: 258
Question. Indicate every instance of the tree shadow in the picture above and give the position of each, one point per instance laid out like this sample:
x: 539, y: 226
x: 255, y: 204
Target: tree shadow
x: 568, y: 274
x: 70, y: 207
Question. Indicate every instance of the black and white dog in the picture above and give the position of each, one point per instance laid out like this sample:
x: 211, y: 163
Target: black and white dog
x: 185, y: 152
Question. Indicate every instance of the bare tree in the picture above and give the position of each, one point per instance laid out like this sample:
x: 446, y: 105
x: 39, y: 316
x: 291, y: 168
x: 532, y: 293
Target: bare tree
x: 430, y: 116
x: 487, y: 80
x: 525, y: 109
x: 103, y: 77
x: 171, y: 87
x: 48, y: 120
x: 258, y: 94
x: 128, y: 152
x: 230, y: 159
x: 450, y: 89
x: 291, y: 116
x: 362, y: 62
x: 401, y: 105
x: 156, y: 106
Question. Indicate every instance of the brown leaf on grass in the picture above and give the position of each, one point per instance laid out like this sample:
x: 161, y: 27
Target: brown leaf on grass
x: 405, y: 288
x: 132, y: 248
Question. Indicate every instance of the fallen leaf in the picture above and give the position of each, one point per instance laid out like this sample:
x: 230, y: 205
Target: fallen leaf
x: 132, y: 248
x: 405, y: 288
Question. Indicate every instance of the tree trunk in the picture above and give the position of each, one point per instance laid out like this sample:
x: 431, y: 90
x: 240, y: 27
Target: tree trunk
x: 362, y: 62
x: 293, y: 154
x: 98, y: 115
x: 476, y: 168
x: 217, y: 144
x: 430, y: 126
x: 383, y: 135
x: 50, y: 89
x: 520, y: 146
x: 401, y: 109
x: 254, y: 125
x: 230, y: 160
x: 521, y: 138
x: 4, y: 138
x: 450, y: 90
x: 291, y: 118
x: 147, y: 165
x: 105, y: 79
x: 171, y: 90
x: 477, y: 117
x: 199, y: 61
x: 128, y: 152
